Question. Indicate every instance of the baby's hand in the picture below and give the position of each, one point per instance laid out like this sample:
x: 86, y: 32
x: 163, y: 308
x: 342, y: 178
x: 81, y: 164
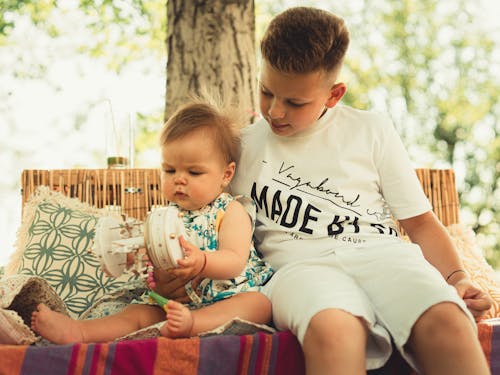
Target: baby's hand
x: 193, y: 262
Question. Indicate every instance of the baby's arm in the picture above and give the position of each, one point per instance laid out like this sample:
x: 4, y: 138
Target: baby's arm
x: 235, y: 236
x: 428, y: 232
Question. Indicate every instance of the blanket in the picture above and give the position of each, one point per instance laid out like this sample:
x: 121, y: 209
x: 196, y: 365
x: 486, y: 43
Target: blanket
x: 237, y: 347
x: 258, y: 353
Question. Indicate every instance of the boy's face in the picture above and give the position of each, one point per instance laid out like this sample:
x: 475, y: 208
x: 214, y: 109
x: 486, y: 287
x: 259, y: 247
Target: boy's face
x: 292, y: 102
x: 194, y: 172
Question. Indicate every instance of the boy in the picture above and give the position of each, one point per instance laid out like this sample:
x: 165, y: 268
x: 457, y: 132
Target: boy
x: 327, y: 180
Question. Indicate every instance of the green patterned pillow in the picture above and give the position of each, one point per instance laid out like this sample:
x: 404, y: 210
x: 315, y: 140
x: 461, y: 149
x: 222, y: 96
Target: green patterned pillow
x: 53, y: 242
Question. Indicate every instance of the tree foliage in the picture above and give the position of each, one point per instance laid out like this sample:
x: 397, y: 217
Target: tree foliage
x: 8, y: 7
x: 121, y: 29
x: 429, y: 65
x: 118, y: 33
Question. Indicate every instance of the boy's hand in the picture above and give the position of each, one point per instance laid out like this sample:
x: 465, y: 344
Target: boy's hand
x: 170, y: 286
x: 170, y: 283
x: 477, y: 301
x: 193, y: 262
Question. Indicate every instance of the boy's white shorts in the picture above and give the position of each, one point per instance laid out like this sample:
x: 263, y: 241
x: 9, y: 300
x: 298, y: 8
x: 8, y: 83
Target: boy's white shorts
x: 389, y: 286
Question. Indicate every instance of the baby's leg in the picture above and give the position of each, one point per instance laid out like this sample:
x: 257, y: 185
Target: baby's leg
x: 55, y: 327
x: 179, y: 321
x: 61, y: 329
x: 182, y: 322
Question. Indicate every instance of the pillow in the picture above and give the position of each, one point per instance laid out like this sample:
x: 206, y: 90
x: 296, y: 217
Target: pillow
x: 53, y: 242
x: 476, y: 265
x: 19, y: 296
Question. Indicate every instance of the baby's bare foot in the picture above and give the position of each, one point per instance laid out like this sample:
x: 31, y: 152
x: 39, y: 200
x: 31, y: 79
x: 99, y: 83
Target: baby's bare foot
x: 54, y: 326
x: 179, y: 321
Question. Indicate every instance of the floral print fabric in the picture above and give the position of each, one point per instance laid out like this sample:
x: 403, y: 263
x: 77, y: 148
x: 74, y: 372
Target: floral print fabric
x: 202, y: 229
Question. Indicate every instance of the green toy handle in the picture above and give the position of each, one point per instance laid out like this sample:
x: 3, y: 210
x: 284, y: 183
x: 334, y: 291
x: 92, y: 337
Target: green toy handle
x: 160, y: 300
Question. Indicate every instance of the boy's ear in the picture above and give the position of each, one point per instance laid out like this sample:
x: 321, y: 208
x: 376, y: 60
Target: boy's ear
x: 336, y: 93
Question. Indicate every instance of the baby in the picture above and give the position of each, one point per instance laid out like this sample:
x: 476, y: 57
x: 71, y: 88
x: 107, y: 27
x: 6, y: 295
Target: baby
x: 200, y: 146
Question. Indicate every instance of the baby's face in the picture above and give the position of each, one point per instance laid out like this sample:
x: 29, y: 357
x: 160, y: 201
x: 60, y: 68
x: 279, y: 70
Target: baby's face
x: 292, y: 102
x: 194, y: 172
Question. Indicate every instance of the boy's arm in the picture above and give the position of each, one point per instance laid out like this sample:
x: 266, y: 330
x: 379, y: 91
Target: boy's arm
x: 428, y: 232
x: 432, y: 237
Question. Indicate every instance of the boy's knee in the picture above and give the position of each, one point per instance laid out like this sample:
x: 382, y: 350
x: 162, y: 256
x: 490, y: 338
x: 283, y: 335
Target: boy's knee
x: 333, y: 327
x: 440, y: 324
x: 335, y: 342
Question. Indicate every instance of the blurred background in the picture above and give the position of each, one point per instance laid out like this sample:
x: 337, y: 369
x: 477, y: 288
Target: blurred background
x: 70, y: 69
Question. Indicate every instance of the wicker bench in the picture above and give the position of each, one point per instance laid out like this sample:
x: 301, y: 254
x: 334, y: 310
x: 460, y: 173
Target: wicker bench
x: 136, y: 190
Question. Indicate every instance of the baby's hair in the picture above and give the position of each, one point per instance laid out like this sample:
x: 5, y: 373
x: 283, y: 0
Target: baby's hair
x: 206, y: 112
x: 304, y: 40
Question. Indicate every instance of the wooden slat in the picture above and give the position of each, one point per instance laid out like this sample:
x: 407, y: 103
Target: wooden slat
x: 439, y: 186
x: 131, y: 189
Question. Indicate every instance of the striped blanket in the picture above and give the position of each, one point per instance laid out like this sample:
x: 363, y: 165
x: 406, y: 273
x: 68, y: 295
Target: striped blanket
x: 260, y: 353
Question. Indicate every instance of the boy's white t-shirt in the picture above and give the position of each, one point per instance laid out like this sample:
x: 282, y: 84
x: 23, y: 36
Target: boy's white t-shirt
x: 338, y: 183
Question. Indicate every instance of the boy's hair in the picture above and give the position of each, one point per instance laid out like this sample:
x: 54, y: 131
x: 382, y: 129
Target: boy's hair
x: 304, y: 40
x: 222, y: 122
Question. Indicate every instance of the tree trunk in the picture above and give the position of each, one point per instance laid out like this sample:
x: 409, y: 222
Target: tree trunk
x: 211, y: 45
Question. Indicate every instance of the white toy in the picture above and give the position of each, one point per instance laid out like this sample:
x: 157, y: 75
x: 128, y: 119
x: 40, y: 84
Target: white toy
x: 115, y: 238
